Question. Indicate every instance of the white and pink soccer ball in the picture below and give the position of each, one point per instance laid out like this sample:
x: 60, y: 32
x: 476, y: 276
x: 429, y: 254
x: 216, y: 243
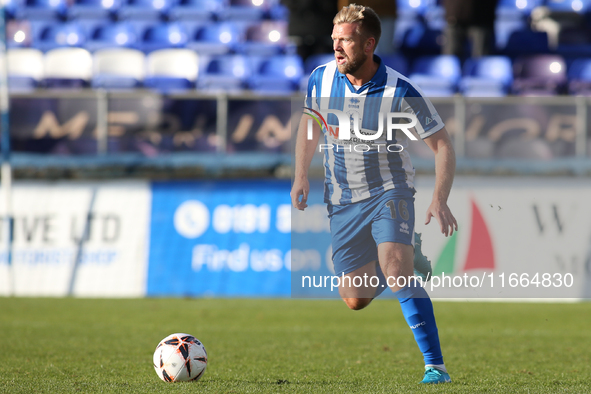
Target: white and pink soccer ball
x: 180, y: 358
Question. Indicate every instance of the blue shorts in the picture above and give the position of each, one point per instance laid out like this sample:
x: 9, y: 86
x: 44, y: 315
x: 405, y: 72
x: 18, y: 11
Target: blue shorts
x: 358, y: 228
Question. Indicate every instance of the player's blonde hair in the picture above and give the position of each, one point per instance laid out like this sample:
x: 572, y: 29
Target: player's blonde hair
x: 368, y: 22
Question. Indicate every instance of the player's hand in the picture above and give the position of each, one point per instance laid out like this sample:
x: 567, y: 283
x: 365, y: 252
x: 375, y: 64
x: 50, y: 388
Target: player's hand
x: 441, y: 212
x: 300, y: 188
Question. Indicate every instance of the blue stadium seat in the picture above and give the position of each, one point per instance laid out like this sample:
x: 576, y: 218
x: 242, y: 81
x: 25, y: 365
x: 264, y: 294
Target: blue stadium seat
x: 504, y: 28
x: 489, y: 76
x: 525, y: 42
x: 578, y: 6
x: 227, y: 73
x: 412, y: 8
x: 539, y: 75
x: 579, y: 76
x: 25, y: 68
x: 163, y: 35
x: 574, y: 42
x: 216, y: 39
x: 11, y: 7
x: 170, y: 70
x: 435, y: 15
x: 55, y: 35
x: 110, y: 35
x: 421, y: 40
x: 279, y: 74
x: 310, y: 64
x: 516, y: 9
x: 118, y: 68
x: 67, y: 68
x: 265, y: 38
x: 316, y: 60
x: 151, y: 10
x: 45, y: 10
x: 196, y: 9
x: 437, y: 76
x: 245, y: 10
x: 278, y: 12
x: 396, y: 62
x: 93, y: 9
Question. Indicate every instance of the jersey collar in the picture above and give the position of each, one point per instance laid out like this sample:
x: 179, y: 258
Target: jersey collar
x: 377, y: 80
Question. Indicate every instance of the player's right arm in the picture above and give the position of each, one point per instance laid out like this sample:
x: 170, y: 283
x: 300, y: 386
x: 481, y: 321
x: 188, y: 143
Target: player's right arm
x: 304, y: 152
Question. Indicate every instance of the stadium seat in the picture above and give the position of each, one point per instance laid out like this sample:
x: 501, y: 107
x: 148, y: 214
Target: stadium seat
x: 266, y: 38
x: 11, y: 7
x: 67, y: 68
x: 402, y: 25
x: 93, y: 9
x: 435, y: 15
x: 55, y: 35
x: 396, y: 62
x: 412, y: 8
x: 504, y: 28
x: 244, y: 10
x: 118, y: 68
x: 170, y: 70
x: 164, y: 35
x: 151, y: 10
x: 279, y: 74
x: 196, y: 10
x: 314, y: 61
x: 539, y: 75
x: 574, y: 42
x: 46, y: 10
x: 18, y: 34
x: 227, y: 73
x: 437, y: 76
x: 25, y: 68
x: 112, y: 35
x: 278, y: 12
x: 579, y: 76
x: 310, y: 64
x: 526, y: 42
x: 421, y: 40
x: 578, y: 6
x: 516, y: 9
x: 215, y: 39
x: 489, y: 76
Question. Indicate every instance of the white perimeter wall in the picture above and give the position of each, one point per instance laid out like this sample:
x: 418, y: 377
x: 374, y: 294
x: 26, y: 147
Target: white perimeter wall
x: 50, y: 218
x: 536, y: 225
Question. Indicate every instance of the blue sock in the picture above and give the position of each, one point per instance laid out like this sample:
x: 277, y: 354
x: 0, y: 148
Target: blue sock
x: 418, y: 312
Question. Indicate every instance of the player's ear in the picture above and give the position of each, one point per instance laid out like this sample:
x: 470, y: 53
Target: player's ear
x: 370, y: 44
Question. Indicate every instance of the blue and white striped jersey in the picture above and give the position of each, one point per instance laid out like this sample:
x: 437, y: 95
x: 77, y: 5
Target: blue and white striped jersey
x: 353, y: 175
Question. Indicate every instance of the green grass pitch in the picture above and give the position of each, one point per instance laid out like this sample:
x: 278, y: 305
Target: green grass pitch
x: 292, y: 346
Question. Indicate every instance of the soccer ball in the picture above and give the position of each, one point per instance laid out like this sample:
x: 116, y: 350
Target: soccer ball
x: 180, y: 358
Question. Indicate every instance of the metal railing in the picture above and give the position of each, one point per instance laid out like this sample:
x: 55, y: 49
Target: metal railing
x: 457, y: 111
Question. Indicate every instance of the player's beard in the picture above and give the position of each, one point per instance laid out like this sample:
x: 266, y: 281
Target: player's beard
x: 353, y: 64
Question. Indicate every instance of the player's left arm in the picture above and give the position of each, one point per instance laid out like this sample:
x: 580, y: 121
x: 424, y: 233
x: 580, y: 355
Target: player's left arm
x: 445, y: 167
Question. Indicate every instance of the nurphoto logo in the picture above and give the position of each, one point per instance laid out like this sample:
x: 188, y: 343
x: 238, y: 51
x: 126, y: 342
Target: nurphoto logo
x: 362, y: 141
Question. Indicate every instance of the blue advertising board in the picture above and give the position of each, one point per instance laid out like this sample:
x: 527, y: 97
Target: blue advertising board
x: 220, y: 238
